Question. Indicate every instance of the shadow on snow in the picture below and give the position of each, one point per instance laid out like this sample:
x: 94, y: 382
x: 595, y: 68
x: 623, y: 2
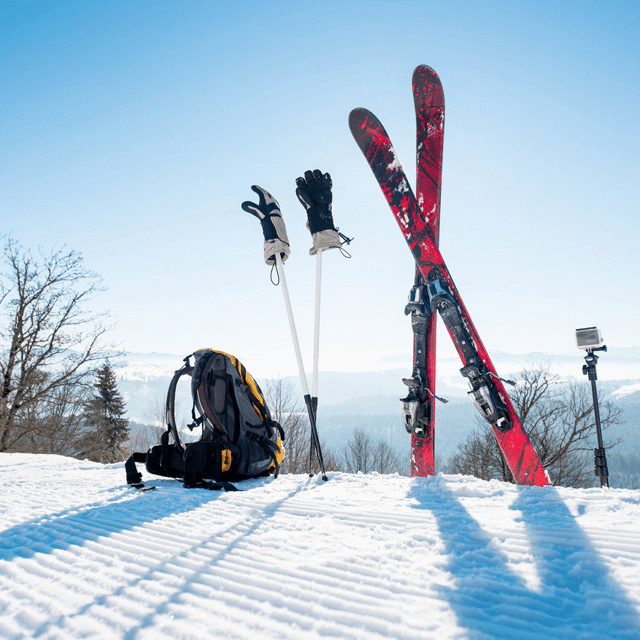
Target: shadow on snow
x: 577, y: 597
x: 72, y: 528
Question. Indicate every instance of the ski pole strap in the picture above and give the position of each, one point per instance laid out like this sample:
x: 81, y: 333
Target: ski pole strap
x: 275, y: 282
x: 344, y: 240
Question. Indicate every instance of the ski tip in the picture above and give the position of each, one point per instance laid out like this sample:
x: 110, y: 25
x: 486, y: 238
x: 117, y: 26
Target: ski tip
x: 427, y: 90
x: 425, y: 72
x: 358, y: 116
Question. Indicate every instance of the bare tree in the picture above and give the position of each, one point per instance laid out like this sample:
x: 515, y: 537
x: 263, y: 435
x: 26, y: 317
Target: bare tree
x: 287, y: 409
x: 557, y: 416
x: 141, y: 437
x: 145, y: 436
x: 54, y: 425
x: 331, y: 459
x: 386, y: 460
x: 49, y: 340
x: 358, y: 453
x: 480, y: 456
x: 364, y: 454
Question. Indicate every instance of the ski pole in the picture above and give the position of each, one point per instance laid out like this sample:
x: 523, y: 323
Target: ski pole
x: 314, y: 191
x: 316, y: 347
x: 316, y: 333
x: 276, y: 251
x: 315, y: 444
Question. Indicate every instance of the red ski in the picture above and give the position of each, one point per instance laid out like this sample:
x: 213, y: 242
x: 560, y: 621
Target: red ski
x: 487, y: 390
x: 419, y: 405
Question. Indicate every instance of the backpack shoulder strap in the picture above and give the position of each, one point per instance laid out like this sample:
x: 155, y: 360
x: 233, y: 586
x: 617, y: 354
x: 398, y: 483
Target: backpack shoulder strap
x: 170, y: 405
x: 254, y: 393
x: 211, y: 368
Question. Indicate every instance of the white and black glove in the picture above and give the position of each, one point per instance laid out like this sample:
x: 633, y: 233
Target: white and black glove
x: 314, y: 192
x: 268, y: 212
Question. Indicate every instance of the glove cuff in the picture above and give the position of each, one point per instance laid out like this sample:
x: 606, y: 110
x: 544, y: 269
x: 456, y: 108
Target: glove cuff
x: 323, y: 240
x: 271, y: 247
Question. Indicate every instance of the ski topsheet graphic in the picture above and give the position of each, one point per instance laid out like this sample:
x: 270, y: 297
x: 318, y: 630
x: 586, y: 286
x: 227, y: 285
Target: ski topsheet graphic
x: 419, y: 406
x: 486, y: 388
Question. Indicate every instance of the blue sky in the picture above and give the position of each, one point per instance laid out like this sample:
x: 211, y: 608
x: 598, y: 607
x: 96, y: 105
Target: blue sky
x: 132, y: 132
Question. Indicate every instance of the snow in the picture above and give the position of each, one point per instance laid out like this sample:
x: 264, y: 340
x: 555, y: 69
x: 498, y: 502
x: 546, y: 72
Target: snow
x: 626, y: 390
x: 357, y: 557
x: 143, y: 372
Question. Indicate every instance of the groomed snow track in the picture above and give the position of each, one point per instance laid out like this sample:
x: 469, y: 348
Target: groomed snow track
x: 361, y: 557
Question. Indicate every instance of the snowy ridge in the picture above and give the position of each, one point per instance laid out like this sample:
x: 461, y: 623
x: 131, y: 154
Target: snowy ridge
x: 143, y: 379
x: 626, y: 390
x: 358, y: 557
x: 144, y: 372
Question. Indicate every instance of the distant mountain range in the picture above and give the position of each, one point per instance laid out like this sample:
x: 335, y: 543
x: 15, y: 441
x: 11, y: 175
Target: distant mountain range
x: 369, y: 400
x: 143, y: 379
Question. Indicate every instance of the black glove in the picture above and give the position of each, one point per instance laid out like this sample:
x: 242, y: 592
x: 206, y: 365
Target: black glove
x: 268, y: 212
x: 314, y: 192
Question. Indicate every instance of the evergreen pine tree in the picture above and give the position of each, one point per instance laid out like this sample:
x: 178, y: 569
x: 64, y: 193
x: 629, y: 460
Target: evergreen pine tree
x: 106, y: 428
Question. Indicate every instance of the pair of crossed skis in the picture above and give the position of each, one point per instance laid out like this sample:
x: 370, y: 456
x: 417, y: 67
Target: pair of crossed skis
x: 419, y: 221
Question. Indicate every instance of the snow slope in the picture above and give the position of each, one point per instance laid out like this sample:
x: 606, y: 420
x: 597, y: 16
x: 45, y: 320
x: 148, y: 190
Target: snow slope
x: 358, y: 557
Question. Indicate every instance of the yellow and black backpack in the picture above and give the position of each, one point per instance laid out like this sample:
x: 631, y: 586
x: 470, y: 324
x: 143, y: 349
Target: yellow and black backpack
x: 239, y: 439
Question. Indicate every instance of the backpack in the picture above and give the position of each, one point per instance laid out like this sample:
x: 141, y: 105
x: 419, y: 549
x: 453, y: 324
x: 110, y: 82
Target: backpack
x: 239, y: 438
